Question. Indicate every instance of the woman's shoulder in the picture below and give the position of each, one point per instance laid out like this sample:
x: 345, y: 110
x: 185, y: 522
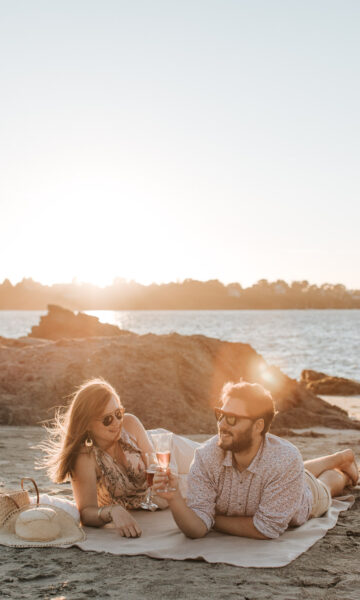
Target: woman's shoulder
x: 130, y: 419
x: 133, y: 431
x: 132, y: 424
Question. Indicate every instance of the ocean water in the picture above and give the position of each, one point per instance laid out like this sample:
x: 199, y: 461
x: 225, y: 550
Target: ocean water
x: 323, y: 340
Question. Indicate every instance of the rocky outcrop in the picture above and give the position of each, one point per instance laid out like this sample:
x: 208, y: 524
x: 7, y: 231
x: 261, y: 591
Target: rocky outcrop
x: 320, y: 383
x: 63, y: 323
x: 170, y: 381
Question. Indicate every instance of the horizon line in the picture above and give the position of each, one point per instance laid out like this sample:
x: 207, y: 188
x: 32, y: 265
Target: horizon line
x: 79, y: 283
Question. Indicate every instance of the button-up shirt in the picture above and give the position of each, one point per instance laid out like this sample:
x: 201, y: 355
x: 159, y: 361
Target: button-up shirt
x: 272, y: 489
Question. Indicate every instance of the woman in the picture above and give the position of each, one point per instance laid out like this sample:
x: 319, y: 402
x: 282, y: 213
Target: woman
x: 101, y: 449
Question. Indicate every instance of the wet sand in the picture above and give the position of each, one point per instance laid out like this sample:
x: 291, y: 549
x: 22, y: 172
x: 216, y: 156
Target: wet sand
x: 330, y: 569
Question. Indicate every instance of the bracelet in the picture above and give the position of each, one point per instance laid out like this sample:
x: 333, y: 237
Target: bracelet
x: 100, y: 514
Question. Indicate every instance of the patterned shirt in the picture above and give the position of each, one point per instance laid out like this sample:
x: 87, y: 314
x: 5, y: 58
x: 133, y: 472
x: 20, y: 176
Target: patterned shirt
x: 272, y: 489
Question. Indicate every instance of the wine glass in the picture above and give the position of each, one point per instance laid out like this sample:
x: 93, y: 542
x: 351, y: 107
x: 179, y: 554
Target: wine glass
x: 162, y: 444
x: 150, y: 469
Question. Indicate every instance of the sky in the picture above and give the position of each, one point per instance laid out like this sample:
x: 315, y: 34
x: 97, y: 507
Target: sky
x: 163, y: 140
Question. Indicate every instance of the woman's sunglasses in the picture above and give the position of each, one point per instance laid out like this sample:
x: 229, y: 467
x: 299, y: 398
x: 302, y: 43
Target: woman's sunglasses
x: 231, y: 419
x: 108, y: 419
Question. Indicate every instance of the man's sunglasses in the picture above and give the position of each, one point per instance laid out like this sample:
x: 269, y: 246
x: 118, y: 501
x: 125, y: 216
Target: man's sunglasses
x: 231, y: 419
x: 108, y: 419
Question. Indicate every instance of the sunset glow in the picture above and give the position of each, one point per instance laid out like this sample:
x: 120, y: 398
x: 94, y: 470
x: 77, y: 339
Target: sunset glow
x: 159, y: 145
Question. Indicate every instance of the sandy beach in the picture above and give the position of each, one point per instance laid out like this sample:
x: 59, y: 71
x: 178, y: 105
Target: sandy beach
x: 349, y: 403
x: 330, y: 569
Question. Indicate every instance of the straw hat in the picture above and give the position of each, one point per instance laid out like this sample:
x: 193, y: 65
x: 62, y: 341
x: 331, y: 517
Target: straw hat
x: 39, y: 526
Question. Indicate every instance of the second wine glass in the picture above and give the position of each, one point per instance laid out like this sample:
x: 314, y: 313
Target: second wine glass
x: 162, y: 444
x: 150, y: 469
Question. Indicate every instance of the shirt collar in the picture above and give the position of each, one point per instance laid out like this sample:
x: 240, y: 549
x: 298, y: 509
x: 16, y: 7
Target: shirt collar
x: 253, y: 466
x: 228, y: 459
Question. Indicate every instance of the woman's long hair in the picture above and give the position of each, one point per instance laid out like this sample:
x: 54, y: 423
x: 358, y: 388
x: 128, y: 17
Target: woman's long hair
x: 69, y: 430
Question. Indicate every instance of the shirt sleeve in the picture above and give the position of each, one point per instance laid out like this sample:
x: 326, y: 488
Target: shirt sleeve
x: 201, y: 493
x: 281, y: 497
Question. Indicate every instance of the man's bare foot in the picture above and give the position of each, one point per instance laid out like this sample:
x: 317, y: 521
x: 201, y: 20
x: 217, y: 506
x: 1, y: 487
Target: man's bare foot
x: 347, y: 464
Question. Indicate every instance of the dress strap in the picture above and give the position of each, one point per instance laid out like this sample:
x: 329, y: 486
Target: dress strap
x: 128, y: 442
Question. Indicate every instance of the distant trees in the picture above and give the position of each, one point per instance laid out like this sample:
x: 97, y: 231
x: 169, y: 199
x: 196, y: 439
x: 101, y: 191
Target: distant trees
x: 189, y: 294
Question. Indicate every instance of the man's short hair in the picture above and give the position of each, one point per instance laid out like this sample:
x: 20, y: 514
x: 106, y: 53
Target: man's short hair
x: 259, y: 401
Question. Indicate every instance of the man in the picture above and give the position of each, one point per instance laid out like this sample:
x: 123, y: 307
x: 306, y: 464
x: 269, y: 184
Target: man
x: 248, y: 482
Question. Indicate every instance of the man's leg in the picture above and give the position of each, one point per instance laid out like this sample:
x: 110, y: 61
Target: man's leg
x: 343, y: 461
x: 336, y: 481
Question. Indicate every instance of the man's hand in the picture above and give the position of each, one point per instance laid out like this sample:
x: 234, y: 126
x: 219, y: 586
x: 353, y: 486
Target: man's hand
x: 185, y: 518
x: 164, y: 480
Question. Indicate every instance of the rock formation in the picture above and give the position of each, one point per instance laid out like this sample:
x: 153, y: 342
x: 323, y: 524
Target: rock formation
x: 63, y: 323
x: 170, y: 381
x: 320, y: 383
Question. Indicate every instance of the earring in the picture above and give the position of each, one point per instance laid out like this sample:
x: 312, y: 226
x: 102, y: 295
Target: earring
x: 89, y: 442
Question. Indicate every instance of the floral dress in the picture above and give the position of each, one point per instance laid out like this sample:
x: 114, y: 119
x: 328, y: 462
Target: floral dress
x: 117, y: 483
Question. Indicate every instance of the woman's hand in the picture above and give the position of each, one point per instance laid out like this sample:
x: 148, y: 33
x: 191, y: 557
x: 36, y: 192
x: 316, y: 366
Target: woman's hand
x: 124, y: 522
x: 163, y: 480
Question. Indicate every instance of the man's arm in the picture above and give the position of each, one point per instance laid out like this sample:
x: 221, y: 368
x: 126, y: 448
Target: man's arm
x: 281, y: 497
x: 241, y: 526
x: 196, y: 516
x: 279, y: 500
x: 185, y: 518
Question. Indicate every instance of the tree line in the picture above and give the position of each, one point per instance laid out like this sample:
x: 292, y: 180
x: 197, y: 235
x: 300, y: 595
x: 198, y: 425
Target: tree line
x: 189, y: 294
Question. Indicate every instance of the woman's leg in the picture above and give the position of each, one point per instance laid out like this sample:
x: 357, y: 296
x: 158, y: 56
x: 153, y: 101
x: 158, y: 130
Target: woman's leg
x: 343, y: 461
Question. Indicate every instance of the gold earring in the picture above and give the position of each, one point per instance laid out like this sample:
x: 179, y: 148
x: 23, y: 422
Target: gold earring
x: 89, y: 442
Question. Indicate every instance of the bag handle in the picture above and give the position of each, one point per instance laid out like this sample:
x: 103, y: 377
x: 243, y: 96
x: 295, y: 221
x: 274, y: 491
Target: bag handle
x: 35, y: 486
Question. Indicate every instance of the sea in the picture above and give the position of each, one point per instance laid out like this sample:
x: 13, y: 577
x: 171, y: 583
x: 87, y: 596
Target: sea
x: 323, y: 340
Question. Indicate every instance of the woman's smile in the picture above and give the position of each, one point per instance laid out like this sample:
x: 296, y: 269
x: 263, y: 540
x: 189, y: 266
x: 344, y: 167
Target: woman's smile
x: 116, y: 431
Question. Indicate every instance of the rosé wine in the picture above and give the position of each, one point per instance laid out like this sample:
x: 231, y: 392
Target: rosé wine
x: 164, y: 459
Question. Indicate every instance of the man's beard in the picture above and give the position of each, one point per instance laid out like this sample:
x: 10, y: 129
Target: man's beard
x: 239, y: 443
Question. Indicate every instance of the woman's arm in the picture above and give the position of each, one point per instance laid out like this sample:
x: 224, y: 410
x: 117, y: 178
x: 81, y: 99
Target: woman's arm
x: 84, y: 488
x: 136, y: 429
x: 83, y: 484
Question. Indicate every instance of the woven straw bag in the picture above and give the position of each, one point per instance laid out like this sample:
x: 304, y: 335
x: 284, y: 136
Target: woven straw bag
x: 67, y: 532
x: 10, y: 499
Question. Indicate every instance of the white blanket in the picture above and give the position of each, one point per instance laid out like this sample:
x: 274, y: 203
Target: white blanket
x: 162, y: 539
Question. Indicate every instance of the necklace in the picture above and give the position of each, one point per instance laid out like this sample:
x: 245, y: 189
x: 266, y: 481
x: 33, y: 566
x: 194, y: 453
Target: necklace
x: 119, y: 456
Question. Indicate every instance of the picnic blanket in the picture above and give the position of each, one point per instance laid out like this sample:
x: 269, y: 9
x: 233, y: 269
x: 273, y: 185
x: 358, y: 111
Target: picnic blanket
x: 161, y: 538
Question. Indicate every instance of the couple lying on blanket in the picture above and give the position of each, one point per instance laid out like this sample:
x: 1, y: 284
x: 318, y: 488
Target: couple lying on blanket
x: 244, y: 481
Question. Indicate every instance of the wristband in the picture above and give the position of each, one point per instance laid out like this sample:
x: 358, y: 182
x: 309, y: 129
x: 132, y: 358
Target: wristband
x: 100, y: 514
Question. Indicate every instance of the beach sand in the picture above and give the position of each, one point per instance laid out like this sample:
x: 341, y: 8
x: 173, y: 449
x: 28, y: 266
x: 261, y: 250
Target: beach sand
x: 330, y: 569
x: 349, y: 403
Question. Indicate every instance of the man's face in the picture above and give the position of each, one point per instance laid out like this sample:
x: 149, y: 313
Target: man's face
x: 239, y: 437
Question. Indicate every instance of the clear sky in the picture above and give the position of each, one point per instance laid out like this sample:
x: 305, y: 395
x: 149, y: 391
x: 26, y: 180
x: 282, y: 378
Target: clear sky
x: 158, y: 140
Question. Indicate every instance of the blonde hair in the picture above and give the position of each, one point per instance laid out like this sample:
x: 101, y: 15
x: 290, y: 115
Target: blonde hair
x: 69, y: 430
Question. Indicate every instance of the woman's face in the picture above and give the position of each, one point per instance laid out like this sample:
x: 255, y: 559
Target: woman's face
x: 106, y: 428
